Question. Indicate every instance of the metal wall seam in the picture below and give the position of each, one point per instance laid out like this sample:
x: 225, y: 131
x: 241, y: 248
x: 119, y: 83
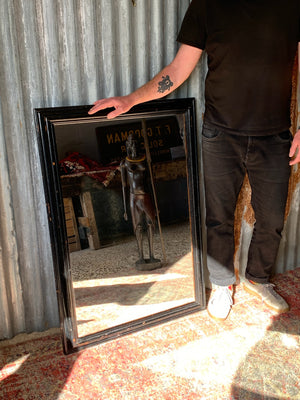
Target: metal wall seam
x: 12, y: 311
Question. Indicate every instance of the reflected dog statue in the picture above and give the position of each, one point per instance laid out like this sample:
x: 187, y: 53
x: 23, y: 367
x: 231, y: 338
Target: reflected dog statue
x: 134, y: 171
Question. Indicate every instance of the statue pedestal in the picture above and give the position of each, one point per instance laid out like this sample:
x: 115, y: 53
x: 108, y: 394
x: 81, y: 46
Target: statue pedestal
x: 148, y: 264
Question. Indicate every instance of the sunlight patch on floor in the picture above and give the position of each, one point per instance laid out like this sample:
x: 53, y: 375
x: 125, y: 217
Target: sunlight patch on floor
x: 233, y: 358
x: 135, y: 279
x: 13, y: 367
x: 219, y: 353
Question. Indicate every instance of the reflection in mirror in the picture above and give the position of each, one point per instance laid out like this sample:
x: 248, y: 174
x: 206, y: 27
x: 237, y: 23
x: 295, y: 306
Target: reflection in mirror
x: 113, y: 283
x: 128, y: 209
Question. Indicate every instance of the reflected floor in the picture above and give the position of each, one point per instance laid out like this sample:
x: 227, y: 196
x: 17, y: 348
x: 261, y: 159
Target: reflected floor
x: 109, y: 290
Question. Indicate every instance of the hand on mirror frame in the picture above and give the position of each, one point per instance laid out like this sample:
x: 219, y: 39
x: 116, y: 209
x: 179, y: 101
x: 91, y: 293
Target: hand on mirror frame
x: 295, y: 149
x: 121, y: 105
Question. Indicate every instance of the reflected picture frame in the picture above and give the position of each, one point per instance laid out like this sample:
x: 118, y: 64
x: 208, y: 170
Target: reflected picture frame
x: 46, y: 122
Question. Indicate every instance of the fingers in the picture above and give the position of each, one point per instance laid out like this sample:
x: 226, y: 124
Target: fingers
x: 295, y: 149
x: 120, y: 105
x: 296, y: 159
x: 117, y: 111
x: 101, y: 105
x: 113, y: 114
x: 294, y: 162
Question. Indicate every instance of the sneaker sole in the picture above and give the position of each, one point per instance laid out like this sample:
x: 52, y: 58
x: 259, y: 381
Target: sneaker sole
x: 216, y: 318
x: 278, y: 310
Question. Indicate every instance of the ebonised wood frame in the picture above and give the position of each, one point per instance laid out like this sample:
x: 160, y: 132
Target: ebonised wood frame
x: 45, y: 124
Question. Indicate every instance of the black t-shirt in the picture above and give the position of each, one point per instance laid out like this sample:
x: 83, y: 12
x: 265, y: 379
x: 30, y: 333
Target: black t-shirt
x: 251, y: 47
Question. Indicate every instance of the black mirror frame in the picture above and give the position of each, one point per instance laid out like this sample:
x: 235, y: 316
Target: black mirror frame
x: 45, y: 119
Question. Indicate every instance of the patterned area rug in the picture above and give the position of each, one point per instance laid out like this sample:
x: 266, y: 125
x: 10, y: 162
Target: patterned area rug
x: 253, y: 355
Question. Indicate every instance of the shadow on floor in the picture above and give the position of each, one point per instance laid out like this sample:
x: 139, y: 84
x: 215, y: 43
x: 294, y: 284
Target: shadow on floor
x: 36, y: 375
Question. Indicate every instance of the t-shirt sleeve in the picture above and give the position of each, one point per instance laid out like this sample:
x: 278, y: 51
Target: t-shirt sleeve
x: 193, y: 28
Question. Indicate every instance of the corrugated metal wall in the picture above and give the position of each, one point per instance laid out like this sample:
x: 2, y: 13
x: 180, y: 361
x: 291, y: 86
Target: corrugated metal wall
x: 69, y: 52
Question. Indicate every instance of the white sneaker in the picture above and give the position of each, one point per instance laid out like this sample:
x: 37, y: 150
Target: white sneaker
x: 266, y: 291
x: 220, y: 302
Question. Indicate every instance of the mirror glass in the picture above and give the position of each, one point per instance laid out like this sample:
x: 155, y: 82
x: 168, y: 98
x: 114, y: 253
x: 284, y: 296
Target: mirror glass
x: 123, y: 204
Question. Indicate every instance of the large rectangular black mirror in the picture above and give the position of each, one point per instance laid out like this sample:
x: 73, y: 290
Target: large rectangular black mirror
x: 123, y: 202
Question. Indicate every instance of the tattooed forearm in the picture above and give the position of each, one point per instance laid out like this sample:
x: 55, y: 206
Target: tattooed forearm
x: 165, y: 84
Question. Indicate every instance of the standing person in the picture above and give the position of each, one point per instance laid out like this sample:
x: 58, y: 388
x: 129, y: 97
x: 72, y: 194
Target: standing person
x: 251, y: 47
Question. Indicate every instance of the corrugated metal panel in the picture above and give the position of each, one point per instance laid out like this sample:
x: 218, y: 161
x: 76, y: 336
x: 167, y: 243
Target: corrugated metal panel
x: 28, y: 290
x: 68, y: 52
x: 56, y: 53
x: 289, y: 251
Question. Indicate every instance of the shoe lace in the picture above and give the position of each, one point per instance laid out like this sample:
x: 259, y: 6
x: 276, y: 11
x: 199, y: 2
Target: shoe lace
x: 224, y: 294
x: 270, y: 287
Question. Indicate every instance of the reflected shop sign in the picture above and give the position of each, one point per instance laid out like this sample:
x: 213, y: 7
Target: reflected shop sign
x: 165, y: 142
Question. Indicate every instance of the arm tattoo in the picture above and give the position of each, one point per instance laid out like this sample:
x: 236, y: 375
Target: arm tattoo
x: 165, y: 84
